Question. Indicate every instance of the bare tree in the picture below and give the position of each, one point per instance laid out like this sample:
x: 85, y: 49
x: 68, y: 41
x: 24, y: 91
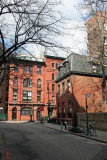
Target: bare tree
x: 29, y: 21
x: 25, y: 22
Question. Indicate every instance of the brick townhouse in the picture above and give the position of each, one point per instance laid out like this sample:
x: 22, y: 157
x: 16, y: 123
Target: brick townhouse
x: 31, y: 86
x: 77, y: 77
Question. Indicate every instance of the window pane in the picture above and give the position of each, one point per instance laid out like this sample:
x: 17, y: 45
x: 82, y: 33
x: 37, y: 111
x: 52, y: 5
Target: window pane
x: 14, y: 94
x: 27, y: 95
x: 105, y: 40
x: 27, y: 82
x: 53, y: 99
x: 52, y: 65
x: 52, y: 76
x: 25, y: 69
x: 26, y: 111
x: 39, y: 96
x: 16, y: 68
x: 30, y: 69
x: 53, y: 87
x: 56, y: 65
x: 39, y: 83
x: 39, y: 69
x: 15, y: 83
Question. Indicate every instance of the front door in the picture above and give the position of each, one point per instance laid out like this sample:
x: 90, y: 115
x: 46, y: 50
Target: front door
x: 38, y: 114
x: 14, y: 113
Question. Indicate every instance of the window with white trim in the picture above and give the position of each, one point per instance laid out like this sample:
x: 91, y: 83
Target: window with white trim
x: 14, y: 95
x: 27, y: 95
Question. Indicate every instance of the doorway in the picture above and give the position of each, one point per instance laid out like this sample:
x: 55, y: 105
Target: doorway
x: 14, y: 113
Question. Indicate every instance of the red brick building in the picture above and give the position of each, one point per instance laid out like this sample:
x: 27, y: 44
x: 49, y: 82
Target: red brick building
x: 76, y: 78
x: 28, y: 93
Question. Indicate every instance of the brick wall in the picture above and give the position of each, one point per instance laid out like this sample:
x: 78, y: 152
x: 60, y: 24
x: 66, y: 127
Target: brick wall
x: 99, y: 120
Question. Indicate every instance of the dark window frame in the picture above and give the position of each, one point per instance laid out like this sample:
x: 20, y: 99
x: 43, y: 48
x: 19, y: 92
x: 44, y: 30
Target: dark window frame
x: 27, y: 82
x: 16, y: 68
x: 39, y: 69
x: 53, y: 77
x: 53, y: 67
x: 30, y: 69
x: 38, y: 83
x: 38, y: 96
x: 26, y: 111
x: 25, y: 69
x: 15, y: 82
x: 53, y: 87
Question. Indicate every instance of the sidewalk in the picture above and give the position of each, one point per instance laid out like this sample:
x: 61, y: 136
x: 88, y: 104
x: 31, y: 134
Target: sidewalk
x: 101, y: 135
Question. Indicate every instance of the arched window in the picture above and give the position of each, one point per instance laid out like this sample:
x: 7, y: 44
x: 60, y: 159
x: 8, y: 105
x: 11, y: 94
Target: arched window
x: 27, y: 82
x: 39, y: 83
x: 15, y: 81
x: 26, y: 111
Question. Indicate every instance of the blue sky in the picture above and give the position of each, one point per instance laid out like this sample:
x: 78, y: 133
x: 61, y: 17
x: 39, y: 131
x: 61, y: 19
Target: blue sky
x: 77, y: 33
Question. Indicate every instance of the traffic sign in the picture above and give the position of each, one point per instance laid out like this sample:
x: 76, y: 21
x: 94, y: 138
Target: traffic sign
x: 41, y: 108
x: 0, y: 100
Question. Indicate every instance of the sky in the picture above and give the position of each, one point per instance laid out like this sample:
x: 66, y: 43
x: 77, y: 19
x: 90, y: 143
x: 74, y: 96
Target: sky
x: 77, y: 33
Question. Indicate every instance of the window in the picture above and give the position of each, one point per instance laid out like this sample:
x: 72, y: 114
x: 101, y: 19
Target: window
x: 15, y: 82
x: 14, y: 95
x: 27, y: 82
x: 94, y: 69
x: 52, y: 76
x: 58, y: 107
x: 30, y: 69
x: 105, y: 40
x: 16, y: 68
x: 63, y: 88
x: 105, y: 26
x: 26, y: 111
x: 69, y: 106
x: 25, y: 69
x: 27, y: 95
x: 53, y: 87
x: 59, y: 89
x: 68, y: 85
x: 52, y: 65
x: 39, y: 69
x: 39, y: 83
x: 38, y: 96
x: 56, y: 65
x: 53, y: 99
x: 63, y: 107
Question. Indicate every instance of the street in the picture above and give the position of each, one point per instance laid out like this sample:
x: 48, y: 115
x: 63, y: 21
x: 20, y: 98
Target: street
x: 29, y: 141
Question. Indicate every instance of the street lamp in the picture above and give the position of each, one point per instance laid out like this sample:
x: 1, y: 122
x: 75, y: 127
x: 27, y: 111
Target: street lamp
x: 48, y: 102
x: 87, y: 96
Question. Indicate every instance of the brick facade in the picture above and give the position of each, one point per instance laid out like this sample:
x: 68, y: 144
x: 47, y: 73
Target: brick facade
x: 28, y: 91
x: 76, y: 78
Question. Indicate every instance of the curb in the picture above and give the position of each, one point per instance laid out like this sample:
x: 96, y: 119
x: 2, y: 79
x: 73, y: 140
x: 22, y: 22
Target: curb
x: 77, y: 134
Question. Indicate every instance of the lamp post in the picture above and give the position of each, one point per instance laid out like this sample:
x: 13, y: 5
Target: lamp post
x: 48, y: 102
x: 87, y: 96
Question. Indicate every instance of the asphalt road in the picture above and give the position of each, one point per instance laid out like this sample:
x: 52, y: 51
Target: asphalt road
x: 27, y: 141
